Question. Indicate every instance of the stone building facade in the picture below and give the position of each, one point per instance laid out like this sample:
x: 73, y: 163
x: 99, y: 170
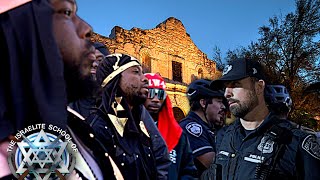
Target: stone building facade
x: 168, y: 50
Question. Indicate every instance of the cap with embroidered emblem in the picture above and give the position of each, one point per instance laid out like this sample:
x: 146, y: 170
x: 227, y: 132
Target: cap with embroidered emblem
x: 239, y: 69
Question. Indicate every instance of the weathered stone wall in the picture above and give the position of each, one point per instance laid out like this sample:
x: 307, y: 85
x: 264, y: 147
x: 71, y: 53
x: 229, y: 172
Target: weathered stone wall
x: 168, y: 42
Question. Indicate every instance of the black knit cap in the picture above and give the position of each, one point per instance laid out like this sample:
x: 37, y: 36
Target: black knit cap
x: 102, y: 48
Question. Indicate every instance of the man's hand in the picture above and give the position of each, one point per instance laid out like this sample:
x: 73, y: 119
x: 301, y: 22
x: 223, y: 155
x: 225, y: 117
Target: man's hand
x: 4, y: 168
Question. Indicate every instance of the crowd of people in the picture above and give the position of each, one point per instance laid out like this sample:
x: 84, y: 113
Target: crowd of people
x: 122, y: 119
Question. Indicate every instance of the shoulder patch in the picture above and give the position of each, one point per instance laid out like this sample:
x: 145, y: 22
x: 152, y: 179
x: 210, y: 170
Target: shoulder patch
x: 194, y: 129
x: 311, y: 145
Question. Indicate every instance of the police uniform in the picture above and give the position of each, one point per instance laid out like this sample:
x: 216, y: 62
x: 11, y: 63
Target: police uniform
x: 200, y: 136
x: 274, y: 150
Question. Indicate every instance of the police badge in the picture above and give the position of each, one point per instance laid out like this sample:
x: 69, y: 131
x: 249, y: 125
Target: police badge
x: 266, y: 145
x: 194, y: 129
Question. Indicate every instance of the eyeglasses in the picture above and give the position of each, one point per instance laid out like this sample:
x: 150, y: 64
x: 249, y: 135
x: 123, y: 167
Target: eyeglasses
x: 161, y: 94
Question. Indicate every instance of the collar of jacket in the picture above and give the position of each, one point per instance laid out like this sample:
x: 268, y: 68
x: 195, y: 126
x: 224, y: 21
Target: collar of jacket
x: 198, y: 119
x: 266, y: 124
x: 132, y: 124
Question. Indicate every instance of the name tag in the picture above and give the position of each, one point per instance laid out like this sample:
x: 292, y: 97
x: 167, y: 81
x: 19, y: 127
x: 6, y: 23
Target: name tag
x: 6, y: 5
x: 224, y: 153
x: 254, y: 158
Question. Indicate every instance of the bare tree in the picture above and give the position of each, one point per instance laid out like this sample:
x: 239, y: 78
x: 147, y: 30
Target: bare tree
x: 217, y: 57
x: 291, y: 52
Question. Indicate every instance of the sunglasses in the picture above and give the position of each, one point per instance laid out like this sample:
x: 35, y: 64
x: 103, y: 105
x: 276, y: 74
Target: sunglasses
x: 153, y: 92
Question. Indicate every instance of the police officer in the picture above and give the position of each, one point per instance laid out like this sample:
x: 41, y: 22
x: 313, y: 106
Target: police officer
x: 206, y: 107
x: 259, y: 145
x: 278, y: 100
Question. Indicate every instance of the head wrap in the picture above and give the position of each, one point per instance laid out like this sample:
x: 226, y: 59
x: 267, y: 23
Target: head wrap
x: 155, y: 81
x: 167, y: 124
x: 32, y: 86
x: 108, y: 75
x: 113, y: 65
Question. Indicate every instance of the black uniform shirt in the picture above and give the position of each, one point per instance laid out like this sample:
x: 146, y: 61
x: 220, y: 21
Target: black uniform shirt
x: 250, y: 156
x: 201, y: 137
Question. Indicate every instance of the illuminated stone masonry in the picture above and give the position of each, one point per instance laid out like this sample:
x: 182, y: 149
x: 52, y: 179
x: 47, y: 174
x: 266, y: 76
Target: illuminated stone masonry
x: 168, y: 50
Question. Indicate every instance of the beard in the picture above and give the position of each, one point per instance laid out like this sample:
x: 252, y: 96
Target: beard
x: 132, y: 93
x: 138, y: 99
x: 242, y: 109
x: 79, y: 86
x: 134, y: 98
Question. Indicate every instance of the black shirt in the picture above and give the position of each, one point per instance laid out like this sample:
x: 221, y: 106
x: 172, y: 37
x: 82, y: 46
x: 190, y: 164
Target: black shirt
x: 201, y: 137
x: 287, y: 154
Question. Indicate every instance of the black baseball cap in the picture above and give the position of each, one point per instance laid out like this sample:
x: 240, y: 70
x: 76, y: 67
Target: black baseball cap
x: 239, y: 69
x: 200, y: 89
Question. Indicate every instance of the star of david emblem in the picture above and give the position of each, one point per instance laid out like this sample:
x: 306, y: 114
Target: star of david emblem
x: 41, y: 156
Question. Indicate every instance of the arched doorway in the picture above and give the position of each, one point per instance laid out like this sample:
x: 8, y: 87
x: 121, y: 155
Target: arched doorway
x: 200, y: 73
x: 146, y: 63
x: 178, y: 113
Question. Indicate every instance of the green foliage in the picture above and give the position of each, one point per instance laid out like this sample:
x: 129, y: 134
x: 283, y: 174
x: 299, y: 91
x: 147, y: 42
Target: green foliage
x: 303, y: 118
